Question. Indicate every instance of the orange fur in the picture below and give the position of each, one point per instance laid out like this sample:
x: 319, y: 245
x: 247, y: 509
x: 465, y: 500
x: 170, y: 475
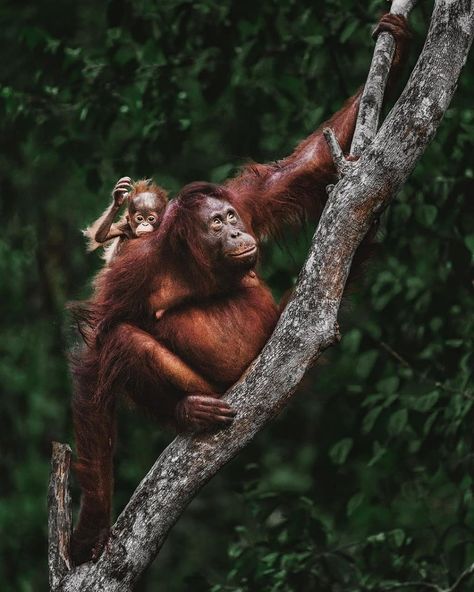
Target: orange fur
x: 214, y: 326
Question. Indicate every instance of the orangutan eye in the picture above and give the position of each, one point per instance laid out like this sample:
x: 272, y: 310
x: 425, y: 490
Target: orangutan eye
x: 139, y: 218
x: 231, y: 217
x: 216, y: 224
x: 151, y: 219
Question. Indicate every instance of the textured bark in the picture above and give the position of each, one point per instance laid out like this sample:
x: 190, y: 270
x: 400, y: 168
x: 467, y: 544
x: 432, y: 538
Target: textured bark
x: 372, y: 96
x: 342, y: 165
x: 309, y: 323
x: 59, y: 516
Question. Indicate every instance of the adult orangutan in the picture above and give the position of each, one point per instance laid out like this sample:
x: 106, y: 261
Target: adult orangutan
x: 214, y: 313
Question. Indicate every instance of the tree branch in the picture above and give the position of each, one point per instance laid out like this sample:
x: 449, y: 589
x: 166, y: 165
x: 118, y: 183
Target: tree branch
x: 309, y: 323
x: 340, y: 162
x: 456, y: 587
x: 371, y: 101
x: 59, y: 514
x: 372, y: 96
x: 417, y: 586
x: 462, y: 579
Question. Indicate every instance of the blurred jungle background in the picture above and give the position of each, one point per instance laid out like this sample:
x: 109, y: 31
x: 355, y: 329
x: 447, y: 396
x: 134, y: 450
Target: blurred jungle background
x: 365, y: 481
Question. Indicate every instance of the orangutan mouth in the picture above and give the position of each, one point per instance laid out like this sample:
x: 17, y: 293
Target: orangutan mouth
x: 245, y: 253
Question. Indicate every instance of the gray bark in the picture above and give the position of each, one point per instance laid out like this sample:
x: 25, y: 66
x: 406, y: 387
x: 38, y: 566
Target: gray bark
x: 59, y: 514
x: 342, y: 165
x: 309, y: 323
x: 372, y: 95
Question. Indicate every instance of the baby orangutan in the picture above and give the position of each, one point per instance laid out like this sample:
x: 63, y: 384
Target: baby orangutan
x: 146, y: 203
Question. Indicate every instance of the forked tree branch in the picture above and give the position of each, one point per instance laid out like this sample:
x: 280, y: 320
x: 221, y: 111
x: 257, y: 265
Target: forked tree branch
x: 309, y: 323
x: 371, y: 100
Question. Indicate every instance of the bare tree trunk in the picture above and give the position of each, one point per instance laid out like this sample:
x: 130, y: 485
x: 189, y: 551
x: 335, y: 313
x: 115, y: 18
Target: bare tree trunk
x: 59, y: 514
x: 308, y: 325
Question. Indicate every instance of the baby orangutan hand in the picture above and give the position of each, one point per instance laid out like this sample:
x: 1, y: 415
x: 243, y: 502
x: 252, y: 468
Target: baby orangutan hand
x: 121, y: 190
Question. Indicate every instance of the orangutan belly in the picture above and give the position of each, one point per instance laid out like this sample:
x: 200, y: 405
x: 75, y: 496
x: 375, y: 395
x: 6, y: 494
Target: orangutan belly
x: 220, y: 337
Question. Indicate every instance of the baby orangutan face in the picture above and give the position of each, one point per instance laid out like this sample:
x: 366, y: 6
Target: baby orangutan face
x: 145, y: 212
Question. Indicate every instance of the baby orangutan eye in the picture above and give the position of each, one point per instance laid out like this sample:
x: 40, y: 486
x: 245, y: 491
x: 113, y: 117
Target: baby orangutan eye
x: 139, y: 218
x: 231, y: 217
x: 151, y: 219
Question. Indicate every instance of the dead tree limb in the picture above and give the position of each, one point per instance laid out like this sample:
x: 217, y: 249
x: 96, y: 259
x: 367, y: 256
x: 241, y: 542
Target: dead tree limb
x: 342, y: 165
x: 308, y: 325
x: 59, y: 514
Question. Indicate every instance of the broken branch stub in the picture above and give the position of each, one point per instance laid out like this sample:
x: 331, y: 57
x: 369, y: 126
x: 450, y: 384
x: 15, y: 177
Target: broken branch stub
x: 59, y: 514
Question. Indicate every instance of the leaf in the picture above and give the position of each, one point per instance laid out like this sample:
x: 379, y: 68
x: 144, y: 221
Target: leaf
x: 429, y: 423
x: 426, y: 214
x: 469, y: 242
x: 388, y: 385
x: 314, y: 39
x: 398, y: 537
x: 454, y: 342
x: 425, y: 402
x: 351, y: 341
x: 370, y: 419
x: 378, y: 452
x: 348, y: 30
x: 380, y: 537
x: 354, y: 503
x: 365, y: 363
x: 340, y: 451
x: 402, y: 211
x: 397, y: 422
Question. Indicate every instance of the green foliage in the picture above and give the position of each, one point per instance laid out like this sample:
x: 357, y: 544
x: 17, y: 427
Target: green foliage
x: 365, y: 481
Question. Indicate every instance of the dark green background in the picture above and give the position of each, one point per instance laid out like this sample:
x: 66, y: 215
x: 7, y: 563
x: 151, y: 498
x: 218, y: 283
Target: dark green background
x: 366, y: 479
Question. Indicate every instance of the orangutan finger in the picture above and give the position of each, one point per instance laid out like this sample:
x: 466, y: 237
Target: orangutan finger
x: 222, y: 409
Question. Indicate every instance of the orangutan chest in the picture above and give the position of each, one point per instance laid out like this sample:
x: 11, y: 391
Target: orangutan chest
x: 221, y: 337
